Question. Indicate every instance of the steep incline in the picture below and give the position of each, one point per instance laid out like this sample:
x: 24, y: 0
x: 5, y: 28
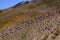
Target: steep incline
x: 43, y: 27
x: 32, y: 21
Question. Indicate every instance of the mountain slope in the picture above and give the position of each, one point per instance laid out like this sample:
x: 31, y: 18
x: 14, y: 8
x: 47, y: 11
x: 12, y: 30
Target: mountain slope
x: 32, y: 21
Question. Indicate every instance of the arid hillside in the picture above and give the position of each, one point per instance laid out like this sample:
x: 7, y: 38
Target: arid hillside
x: 36, y: 20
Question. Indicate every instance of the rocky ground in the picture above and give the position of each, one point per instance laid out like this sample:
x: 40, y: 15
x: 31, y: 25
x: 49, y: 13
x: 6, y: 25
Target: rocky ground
x: 42, y: 27
x: 32, y: 21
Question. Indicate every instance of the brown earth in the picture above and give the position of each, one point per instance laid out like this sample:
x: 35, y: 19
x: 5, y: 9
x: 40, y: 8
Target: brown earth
x: 31, y: 21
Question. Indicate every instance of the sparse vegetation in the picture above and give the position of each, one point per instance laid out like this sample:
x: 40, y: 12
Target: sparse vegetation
x: 32, y: 21
x: 24, y: 35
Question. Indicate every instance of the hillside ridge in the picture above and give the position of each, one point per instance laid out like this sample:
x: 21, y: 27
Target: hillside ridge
x: 31, y: 21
